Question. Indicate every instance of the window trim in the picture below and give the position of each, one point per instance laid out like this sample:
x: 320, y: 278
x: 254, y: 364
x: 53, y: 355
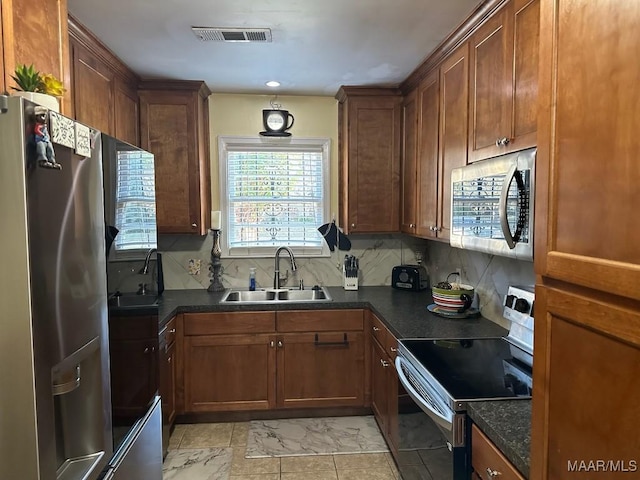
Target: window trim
x: 228, y: 143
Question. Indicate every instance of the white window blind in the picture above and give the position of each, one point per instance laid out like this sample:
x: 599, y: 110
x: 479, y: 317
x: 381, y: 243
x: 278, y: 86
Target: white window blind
x: 274, y: 195
x: 135, y: 215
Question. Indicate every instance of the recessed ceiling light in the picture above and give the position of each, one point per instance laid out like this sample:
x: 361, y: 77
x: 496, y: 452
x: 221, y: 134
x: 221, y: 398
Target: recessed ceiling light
x: 272, y: 83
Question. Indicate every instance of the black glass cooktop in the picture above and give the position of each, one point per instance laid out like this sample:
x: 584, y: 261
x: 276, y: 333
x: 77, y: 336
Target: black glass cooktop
x: 473, y: 369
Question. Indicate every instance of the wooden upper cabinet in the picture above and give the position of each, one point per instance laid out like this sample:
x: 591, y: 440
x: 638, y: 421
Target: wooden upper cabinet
x: 503, y: 81
x: 104, y: 90
x: 35, y: 34
x: 92, y: 90
x: 587, y: 233
x: 427, y: 171
x: 454, y: 125
x: 408, y: 200
x: 126, y: 113
x: 174, y: 127
x: 370, y: 146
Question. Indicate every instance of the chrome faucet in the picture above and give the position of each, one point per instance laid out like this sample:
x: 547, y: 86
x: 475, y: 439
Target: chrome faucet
x: 276, y: 274
x: 145, y: 267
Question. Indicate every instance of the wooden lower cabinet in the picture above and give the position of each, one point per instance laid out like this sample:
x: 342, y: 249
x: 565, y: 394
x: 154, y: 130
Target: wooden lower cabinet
x: 487, y: 461
x: 168, y: 380
x: 320, y: 369
x: 229, y: 372
x: 384, y: 381
x: 133, y: 352
x: 306, y: 362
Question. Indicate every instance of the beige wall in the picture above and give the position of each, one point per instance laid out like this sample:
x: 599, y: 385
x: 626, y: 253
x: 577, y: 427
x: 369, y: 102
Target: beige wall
x: 236, y: 114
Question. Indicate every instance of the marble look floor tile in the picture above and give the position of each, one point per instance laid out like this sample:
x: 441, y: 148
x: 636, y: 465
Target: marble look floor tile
x: 240, y: 433
x: 197, y: 464
x: 248, y: 466
x: 176, y: 436
x: 367, y: 474
x: 314, y: 436
x: 322, y: 475
x: 392, y: 465
x: 307, y: 464
x: 207, y: 435
x: 260, y: 476
x: 361, y: 461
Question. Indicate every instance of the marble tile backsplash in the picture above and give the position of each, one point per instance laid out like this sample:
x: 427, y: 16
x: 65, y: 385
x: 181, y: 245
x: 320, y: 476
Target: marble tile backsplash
x: 378, y: 254
x: 490, y: 275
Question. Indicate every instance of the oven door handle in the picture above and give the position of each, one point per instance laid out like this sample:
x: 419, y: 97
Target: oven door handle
x: 444, y: 420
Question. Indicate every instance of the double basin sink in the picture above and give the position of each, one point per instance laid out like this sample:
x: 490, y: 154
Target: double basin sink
x: 316, y: 294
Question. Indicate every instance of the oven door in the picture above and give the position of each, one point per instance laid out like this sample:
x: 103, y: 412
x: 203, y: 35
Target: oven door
x: 431, y: 437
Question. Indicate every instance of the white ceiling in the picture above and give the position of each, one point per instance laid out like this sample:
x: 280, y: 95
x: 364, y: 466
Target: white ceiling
x: 318, y: 45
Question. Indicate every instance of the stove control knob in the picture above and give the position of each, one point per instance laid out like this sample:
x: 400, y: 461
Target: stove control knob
x: 521, y: 306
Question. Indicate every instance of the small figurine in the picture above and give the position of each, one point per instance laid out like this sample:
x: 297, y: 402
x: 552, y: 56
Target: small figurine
x: 45, y: 154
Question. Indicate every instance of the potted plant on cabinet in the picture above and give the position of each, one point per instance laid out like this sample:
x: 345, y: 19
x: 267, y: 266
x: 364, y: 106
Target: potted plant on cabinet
x: 40, y: 88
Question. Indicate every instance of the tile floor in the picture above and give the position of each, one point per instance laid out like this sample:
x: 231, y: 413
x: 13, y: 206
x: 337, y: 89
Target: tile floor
x: 215, y: 451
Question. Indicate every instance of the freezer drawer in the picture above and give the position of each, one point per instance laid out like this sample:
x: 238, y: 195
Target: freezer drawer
x: 140, y: 455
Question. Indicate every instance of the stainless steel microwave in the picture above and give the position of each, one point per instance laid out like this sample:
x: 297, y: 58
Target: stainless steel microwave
x: 492, y: 205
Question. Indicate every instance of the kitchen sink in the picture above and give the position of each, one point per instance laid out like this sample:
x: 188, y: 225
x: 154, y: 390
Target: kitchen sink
x: 133, y: 300
x: 316, y: 294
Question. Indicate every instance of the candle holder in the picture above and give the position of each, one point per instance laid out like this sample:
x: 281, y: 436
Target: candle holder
x: 216, y: 264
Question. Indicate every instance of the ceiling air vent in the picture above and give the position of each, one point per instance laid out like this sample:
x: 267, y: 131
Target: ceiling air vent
x: 212, y: 34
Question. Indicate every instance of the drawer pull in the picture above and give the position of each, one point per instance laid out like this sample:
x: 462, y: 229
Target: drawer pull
x: 393, y: 349
x: 376, y: 329
x: 173, y: 330
x: 343, y: 343
x: 384, y: 363
x: 491, y: 474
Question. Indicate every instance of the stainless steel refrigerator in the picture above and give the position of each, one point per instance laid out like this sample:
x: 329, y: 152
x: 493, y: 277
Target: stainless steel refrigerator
x: 55, y: 407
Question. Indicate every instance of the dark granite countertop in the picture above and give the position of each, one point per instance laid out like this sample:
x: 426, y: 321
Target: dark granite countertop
x: 406, y: 315
x: 404, y: 312
x: 507, y: 423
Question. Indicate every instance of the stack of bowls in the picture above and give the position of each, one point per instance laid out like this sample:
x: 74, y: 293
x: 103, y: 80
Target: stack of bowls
x: 457, y: 299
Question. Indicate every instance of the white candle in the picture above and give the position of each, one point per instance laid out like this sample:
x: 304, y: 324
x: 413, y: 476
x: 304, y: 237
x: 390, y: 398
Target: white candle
x: 215, y: 220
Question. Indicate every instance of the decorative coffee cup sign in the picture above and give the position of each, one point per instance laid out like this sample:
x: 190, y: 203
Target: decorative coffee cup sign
x: 276, y: 122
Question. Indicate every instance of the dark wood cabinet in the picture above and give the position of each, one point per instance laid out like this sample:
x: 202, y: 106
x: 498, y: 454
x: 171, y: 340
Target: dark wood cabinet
x: 35, y: 34
x: 229, y: 361
x: 312, y: 346
x: 174, y: 126
x: 104, y: 89
x: 427, y: 171
x: 408, y: 200
x: 167, y: 371
x: 385, y: 388
x: 587, y: 262
x: 504, y: 80
x: 453, y: 133
x: 267, y: 360
x: 134, y: 363
x: 485, y: 457
x: 369, y: 144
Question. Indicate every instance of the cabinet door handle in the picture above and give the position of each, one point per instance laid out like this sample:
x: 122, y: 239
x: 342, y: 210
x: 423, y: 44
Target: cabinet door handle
x: 194, y: 225
x: 353, y: 225
x: 393, y: 350
x: 491, y: 474
x: 173, y: 330
x: 384, y: 363
x: 502, y: 142
x: 146, y: 350
x: 272, y: 344
x: 279, y: 344
x: 376, y: 329
x: 343, y: 343
x: 169, y: 360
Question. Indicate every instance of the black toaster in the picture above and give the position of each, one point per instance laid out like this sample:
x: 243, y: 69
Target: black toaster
x: 409, y: 277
